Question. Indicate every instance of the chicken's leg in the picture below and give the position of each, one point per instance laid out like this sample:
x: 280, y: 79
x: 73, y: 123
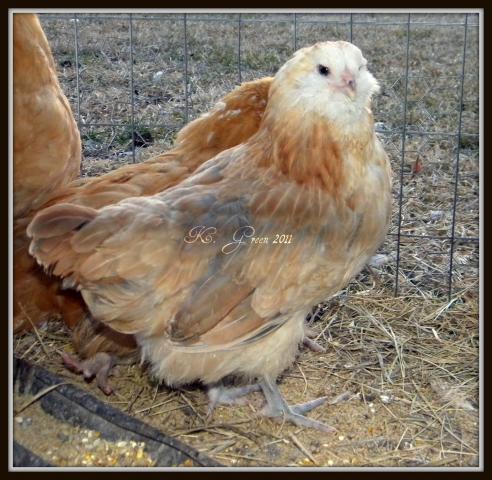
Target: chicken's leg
x: 98, y: 366
x: 276, y: 406
x: 221, y: 395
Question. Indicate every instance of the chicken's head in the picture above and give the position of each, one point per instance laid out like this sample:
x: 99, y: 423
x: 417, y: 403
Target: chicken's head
x: 328, y: 78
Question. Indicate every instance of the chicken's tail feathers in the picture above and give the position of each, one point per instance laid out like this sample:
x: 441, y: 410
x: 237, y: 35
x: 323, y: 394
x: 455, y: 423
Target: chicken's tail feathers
x: 51, y: 231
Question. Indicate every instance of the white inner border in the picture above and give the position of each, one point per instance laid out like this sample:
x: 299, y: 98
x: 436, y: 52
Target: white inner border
x: 244, y: 10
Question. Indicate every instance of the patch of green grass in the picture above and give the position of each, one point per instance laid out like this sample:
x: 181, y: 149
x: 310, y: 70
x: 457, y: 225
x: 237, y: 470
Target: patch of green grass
x: 142, y: 136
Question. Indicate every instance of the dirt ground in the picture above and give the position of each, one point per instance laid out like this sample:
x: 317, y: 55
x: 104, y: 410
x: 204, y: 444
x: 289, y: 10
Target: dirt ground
x: 400, y: 373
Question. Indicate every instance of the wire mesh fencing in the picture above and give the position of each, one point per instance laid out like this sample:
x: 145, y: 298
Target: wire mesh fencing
x: 135, y: 79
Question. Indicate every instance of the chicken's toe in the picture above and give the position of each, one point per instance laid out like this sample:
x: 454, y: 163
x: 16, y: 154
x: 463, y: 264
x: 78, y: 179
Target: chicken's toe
x: 308, y: 406
x: 312, y: 345
x: 308, y: 341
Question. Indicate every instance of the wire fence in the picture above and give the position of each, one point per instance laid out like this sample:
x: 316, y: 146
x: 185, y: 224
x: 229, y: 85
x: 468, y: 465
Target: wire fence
x: 427, y: 115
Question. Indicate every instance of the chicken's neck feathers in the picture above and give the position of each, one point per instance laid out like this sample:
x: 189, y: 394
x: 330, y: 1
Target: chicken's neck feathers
x: 311, y: 150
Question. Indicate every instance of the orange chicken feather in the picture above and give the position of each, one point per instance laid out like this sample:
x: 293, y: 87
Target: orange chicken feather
x: 47, y: 147
x: 37, y: 296
x: 215, y: 276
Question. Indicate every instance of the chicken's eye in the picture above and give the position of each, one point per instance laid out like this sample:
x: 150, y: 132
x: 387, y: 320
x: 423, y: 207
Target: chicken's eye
x: 325, y: 71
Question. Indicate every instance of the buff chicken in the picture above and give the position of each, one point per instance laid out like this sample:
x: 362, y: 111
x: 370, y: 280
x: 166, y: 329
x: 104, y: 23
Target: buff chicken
x: 215, y: 275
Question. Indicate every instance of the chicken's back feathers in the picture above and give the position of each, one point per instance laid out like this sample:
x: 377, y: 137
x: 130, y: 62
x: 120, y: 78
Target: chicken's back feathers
x: 47, y: 148
x: 232, y: 121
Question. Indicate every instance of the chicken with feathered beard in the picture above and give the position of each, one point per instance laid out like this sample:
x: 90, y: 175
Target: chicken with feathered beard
x: 215, y: 276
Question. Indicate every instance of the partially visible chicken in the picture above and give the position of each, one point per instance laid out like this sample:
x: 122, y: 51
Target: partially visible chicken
x: 37, y: 296
x: 47, y: 147
x: 216, y: 275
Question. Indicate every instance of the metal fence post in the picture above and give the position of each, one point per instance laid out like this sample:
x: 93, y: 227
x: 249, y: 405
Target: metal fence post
x: 77, y: 77
x: 457, y: 163
x: 185, y: 31
x: 295, y: 32
x: 240, y: 75
x: 132, y: 88
x: 404, y: 134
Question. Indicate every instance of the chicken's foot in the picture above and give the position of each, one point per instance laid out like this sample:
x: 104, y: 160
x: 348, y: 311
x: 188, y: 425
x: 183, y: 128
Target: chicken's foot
x: 277, y: 407
x: 98, y: 366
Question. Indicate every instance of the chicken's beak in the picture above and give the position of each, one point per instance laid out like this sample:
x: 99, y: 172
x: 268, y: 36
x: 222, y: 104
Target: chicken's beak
x: 349, y: 83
